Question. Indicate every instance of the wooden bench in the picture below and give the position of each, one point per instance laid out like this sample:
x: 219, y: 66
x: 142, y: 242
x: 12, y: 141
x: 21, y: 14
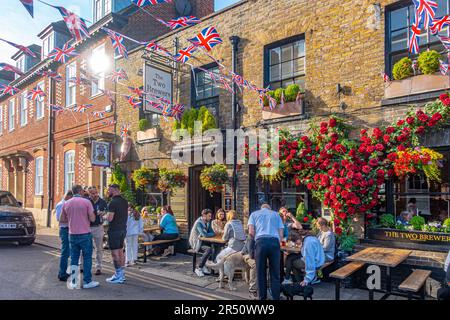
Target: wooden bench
x: 415, y: 283
x: 156, y: 242
x: 344, y: 272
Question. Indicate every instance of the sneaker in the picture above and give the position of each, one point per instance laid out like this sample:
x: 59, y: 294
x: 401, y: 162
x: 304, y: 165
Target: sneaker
x: 98, y: 272
x: 113, y: 278
x: 287, y: 281
x: 206, y: 270
x: 315, y: 281
x: 199, y: 272
x: 64, y: 278
x: 116, y: 280
x: 90, y: 285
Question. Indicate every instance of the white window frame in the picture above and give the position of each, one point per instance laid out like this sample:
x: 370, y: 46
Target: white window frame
x: 1, y: 122
x: 69, y: 170
x: 101, y: 9
x: 11, y: 115
x: 39, y: 104
x: 71, y: 87
x: 20, y: 63
x: 39, y: 176
x: 48, y: 44
x: 98, y: 79
x: 23, y: 109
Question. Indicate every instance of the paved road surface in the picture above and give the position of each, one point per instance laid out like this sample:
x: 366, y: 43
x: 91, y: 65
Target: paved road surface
x: 31, y: 273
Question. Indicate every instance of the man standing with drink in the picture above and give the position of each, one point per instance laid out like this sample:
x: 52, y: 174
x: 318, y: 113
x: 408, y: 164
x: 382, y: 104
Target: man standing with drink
x: 97, y: 230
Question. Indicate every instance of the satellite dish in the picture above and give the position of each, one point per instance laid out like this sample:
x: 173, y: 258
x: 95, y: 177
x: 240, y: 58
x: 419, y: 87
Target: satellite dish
x: 183, y: 7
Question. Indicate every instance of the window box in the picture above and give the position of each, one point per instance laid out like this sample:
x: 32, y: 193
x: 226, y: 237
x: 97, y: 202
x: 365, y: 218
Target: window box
x: 149, y: 134
x: 417, y: 237
x: 417, y: 84
x: 289, y: 109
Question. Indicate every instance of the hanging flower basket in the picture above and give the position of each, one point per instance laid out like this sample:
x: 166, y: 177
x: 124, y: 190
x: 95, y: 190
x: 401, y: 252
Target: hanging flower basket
x: 143, y: 177
x: 213, y: 178
x: 170, y: 179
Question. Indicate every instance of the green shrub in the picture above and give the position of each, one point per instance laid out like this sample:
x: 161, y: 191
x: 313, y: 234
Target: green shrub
x: 446, y: 223
x: 417, y: 222
x: 403, y: 69
x: 428, y: 62
x: 129, y: 196
x: 176, y: 125
x: 185, y: 119
x: 209, y: 122
x: 277, y: 95
x: 301, y: 210
x: 144, y: 124
x: 119, y: 178
x: 387, y: 221
x: 347, y: 242
x: 193, y: 114
x: 291, y: 92
x: 400, y: 226
x: 201, y: 113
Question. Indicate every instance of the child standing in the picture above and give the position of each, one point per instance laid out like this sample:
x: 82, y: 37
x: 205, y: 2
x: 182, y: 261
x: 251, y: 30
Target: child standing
x: 135, y: 227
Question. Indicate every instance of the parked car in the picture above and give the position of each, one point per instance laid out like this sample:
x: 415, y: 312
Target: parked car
x: 16, y: 223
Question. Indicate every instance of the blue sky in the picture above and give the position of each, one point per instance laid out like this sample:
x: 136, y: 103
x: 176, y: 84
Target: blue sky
x: 17, y: 25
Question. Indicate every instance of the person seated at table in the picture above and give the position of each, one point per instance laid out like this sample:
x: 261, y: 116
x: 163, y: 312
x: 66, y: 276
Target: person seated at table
x: 202, y: 228
x: 312, y: 258
x: 235, y: 235
x: 218, y: 224
x: 148, y: 222
x: 327, y: 239
x: 404, y: 218
x: 169, y: 231
x: 289, y: 221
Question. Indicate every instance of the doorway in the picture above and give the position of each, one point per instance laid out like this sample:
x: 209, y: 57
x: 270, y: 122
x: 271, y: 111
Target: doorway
x: 200, y: 198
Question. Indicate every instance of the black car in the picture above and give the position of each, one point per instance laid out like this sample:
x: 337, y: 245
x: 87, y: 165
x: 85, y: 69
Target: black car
x: 16, y: 223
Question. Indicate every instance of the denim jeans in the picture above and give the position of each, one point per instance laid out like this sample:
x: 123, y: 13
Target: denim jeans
x: 82, y: 243
x: 268, y: 249
x: 65, y: 251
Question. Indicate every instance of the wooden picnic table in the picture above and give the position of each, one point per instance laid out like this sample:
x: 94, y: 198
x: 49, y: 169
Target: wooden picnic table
x: 216, y: 239
x: 290, y: 249
x: 216, y: 243
x: 387, y: 257
x: 152, y: 229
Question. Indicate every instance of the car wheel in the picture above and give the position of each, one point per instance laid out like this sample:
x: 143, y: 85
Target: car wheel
x: 26, y: 243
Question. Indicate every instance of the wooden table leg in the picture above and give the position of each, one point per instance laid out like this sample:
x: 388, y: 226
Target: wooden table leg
x: 338, y: 290
x: 145, y: 254
x: 282, y: 275
x: 194, y: 261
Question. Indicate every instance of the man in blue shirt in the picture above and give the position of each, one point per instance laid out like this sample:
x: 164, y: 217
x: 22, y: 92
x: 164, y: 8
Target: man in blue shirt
x: 266, y: 227
x: 64, y: 236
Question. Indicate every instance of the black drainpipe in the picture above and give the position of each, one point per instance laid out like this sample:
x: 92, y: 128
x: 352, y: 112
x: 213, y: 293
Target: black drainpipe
x: 50, y: 158
x: 234, y: 42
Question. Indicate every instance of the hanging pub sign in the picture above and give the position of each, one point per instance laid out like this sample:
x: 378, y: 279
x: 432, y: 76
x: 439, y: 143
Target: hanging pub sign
x: 157, y: 88
x: 100, y: 153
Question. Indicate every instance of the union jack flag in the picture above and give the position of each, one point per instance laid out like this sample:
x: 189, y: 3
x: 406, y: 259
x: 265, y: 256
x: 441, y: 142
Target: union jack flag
x: 386, y: 77
x: 134, y: 102
x: 81, y: 81
x: 63, y: 54
x: 177, y: 111
x: 51, y: 74
x: 7, y: 89
x: 184, y: 54
x: 8, y: 67
x: 108, y: 122
x: 118, y: 75
x: 207, y: 38
x: 414, y: 40
x: 261, y: 100
x: 272, y: 103
x: 239, y: 80
x: 443, y: 67
x: 124, y: 131
x: 164, y: 100
x: 137, y: 91
x: 36, y: 94
x: 57, y: 109
x: 226, y: 85
x: 439, y: 24
x: 425, y: 12
x: 28, y: 4
x: 181, y: 22
x: 82, y: 108
x: 153, y: 46
x: 142, y: 3
x: 445, y: 41
x: 98, y: 114
x: 76, y: 25
x: 24, y: 49
x: 117, y: 41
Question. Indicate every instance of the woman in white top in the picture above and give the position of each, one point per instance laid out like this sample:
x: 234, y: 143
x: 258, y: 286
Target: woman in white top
x: 135, y: 227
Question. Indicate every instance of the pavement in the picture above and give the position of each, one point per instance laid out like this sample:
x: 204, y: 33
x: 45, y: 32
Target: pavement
x: 170, y: 278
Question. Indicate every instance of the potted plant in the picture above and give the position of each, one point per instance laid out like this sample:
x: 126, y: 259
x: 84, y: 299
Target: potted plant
x: 170, y: 179
x: 146, y: 132
x: 304, y: 217
x: 293, y: 95
x: 387, y: 221
x: 417, y: 222
x: 213, y: 178
x: 143, y: 177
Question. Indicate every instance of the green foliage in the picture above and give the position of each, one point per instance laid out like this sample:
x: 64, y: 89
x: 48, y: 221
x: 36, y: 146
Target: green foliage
x: 387, y: 221
x: 446, y: 223
x: 144, y: 124
x: 119, y: 178
x: 417, y: 222
x: 158, y: 210
x: 403, y: 69
x: 190, y: 116
x: 428, y: 62
x: 170, y: 179
x: 301, y: 210
x: 214, y: 177
x: 130, y: 196
x: 143, y: 177
x: 185, y: 119
x: 209, y: 122
x: 400, y: 226
x: 138, y: 209
x: 278, y: 93
x: 176, y: 125
x: 291, y: 92
x: 193, y: 114
x: 347, y: 242
x: 201, y: 113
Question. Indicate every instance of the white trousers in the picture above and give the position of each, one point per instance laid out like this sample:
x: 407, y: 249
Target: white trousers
x: 131, y: 248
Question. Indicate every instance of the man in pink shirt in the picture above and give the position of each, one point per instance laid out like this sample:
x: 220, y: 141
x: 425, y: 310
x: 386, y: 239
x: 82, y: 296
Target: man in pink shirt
x: 78, y: 213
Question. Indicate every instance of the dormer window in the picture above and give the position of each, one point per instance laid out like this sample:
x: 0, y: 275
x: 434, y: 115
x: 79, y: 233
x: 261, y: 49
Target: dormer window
x: 48, y: 44
x: 101, y: 8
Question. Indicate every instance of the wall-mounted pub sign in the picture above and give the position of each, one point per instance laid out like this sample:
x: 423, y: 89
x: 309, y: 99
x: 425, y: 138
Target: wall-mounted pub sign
x: 158, y: 84
x: 101, y: 153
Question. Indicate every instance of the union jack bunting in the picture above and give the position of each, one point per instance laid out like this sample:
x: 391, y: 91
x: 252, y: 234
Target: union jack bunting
x: 7, y: 89
x: 226, y: 85
x: 108, y: 122
x: 414, y: 40
x: 8, y: 67
x: 137, y: 91
x: 385, y: 77
x: 239, y: 80
x: 56, y: 108
x: 207, y: 38
x: 98, y: 114
x: 36, y: 94
x: 28, y: 4
x: 117, y: 42
x: 76, y: 25
x: 81, y: 81
x: 445, y: 41
x: 184, y: 54
x: 181, y: 22
x: 118, y: 75
x: 177, y: 111
x: 282, y: 99
x: 51, y: 74
x: 142, y: 3
x: 124, y: 131
x: 425, y: 12
x: 134, y: 102
x: 153, y: 46
x: 24, y: 49
x: 272, y: 103
x: 443, y: 67
x: 63, y: 54
x: 439, y: 24
x: 164, y: 100
x: 82, y: 108
x: 261, y: 100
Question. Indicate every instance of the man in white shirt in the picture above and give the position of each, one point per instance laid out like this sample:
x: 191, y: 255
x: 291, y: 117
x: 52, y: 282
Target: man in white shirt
x: 64, y: 236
